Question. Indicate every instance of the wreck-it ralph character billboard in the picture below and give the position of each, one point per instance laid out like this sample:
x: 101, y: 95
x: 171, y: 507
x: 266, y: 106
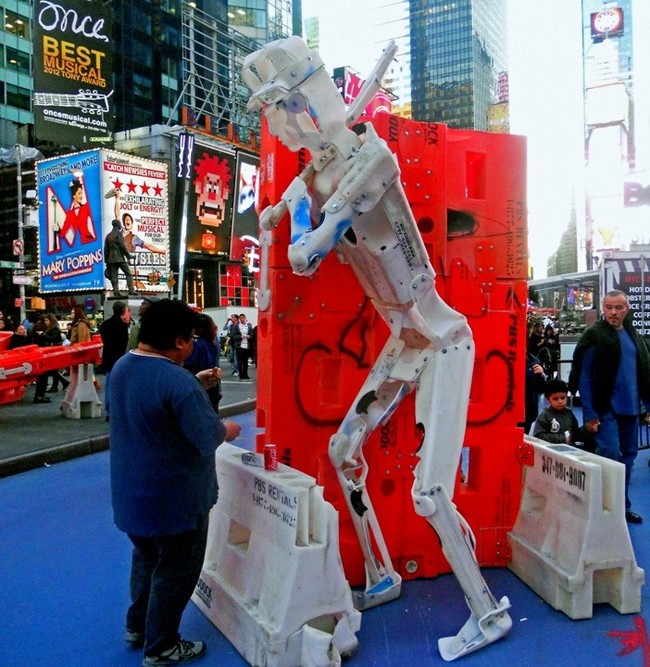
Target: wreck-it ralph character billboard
x: 82, y: 193
x: 210, y: 202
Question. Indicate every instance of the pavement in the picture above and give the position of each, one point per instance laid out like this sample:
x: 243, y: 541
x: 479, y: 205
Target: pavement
x: 33, y: 435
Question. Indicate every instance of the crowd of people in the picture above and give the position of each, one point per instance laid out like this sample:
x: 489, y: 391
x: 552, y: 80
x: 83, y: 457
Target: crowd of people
x: 163, y: 387
x: 610, y: 373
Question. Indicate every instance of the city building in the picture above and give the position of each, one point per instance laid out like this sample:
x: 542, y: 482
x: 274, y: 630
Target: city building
x: 458, y: 52
x: 162, y: 67
x: 617, y: 126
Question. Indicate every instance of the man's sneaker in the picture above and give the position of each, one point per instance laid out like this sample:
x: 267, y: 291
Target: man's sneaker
x: 136, y: 639
x: 183, y: 652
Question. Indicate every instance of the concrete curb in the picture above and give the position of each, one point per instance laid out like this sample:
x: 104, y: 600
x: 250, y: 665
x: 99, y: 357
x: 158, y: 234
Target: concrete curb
x: 72, y: 450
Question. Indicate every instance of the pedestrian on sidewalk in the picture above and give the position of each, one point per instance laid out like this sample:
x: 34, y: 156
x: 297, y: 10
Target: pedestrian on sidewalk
x: 230, y: 327
x: 57, y: 337
x: 115, y: 336
x: 205, y: 354
x: 611, y: 368
x: 241, y: 337
x: 44, y: 335
x: 135, y: 326
x: 163, y: 435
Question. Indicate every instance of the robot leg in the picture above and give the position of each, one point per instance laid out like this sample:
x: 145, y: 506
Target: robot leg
x: 378, y: 398
x: 489, y: 620
x: 449, y: 376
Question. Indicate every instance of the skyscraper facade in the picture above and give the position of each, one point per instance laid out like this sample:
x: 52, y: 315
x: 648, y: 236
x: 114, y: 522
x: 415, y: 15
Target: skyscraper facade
x: 458, y: 52
x: 265, y: 20
x: 617, y: 119
x: 391, y: 22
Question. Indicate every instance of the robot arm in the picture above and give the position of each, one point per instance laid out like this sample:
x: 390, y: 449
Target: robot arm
x: 367, y: 177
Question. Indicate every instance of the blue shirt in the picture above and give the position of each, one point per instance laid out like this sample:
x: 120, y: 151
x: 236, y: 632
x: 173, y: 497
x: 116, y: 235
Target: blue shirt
x: 625, y: 397
x: 163, y: 435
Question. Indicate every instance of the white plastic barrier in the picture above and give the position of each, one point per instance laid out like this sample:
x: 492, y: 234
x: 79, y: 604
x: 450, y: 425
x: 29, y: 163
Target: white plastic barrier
x: 570, y: 542
x: 272, y: 579
x: 81, y: 399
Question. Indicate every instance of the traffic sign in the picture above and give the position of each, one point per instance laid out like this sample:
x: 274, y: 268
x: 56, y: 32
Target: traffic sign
x: 22, y: 280
x: 18, y: 246
x: 10, y: 265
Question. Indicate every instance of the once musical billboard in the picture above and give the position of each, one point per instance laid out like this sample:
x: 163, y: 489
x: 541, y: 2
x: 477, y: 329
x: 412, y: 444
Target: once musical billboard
x: 73, y: 74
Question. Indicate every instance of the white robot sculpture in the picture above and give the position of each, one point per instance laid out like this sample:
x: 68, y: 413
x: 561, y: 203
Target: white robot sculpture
x: 350, y: 199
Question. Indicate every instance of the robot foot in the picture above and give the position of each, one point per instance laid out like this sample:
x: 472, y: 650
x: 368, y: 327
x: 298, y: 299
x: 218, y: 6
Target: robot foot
x: 477, y: 633
x: 389, y: 588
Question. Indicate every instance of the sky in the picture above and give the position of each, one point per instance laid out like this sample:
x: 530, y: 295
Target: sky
x: 545, y: 71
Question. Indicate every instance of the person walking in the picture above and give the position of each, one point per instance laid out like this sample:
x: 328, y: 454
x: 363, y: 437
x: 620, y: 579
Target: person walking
x: 163, y: 434
x: 611, y: 368
x: 205, y: 354
x: 241, y: 336
x: 81, y: 330
x: 56, y: 337
x: 230, y: 326
x: 135, y: 326
x: 115, y: 336
x: 44, y: 335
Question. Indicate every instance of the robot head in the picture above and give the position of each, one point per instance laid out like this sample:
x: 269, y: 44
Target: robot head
x: 299, y: 99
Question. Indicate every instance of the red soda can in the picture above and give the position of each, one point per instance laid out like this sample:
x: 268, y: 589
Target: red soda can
x: 270, y: 457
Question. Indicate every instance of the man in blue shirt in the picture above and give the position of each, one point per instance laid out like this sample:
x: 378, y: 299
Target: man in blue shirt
x: 163, y: 437
x: 612, y: 363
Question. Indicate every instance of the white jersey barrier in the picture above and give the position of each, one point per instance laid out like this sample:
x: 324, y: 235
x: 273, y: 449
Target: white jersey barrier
x: 81, y: 399
x: 272, y: 580
x: 570, y: 542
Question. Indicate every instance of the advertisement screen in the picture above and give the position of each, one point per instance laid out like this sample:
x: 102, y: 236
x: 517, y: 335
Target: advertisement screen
x: 73, y: 74
x: 350, y: 84
x: 210, y: 202
x: 244, y: 241
x: 630, y: 273
x: 136, y: 193
x: 71, y: 232
x: 82, y: 193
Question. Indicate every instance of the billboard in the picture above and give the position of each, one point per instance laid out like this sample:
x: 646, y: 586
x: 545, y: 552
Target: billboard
x: 244, y: 239
x: 349, y: 85
x: 210, y: 202
x: 82, y: 193
x: 606, y: 23
x: 73, y: 74
x: 629, y: 272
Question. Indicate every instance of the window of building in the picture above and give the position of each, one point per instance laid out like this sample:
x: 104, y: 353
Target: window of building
x: 16, y: 60
x: 16, y: 24
x: 18, y: 97
x: 236, y: 286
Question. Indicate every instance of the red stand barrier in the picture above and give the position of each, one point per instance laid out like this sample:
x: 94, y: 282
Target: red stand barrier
x: 21, y: 366
x: 319, y: 338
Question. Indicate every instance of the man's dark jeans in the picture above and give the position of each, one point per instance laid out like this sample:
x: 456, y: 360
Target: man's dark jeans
x: 164, y: 572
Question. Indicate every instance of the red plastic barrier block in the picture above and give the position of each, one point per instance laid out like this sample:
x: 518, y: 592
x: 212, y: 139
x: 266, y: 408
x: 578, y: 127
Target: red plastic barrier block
x: 320, y: 337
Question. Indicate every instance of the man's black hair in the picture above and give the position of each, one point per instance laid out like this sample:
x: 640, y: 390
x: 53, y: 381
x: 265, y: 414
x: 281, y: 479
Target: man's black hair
x: 556, y: 386
x: 164, y: 321
x: 119, y: 307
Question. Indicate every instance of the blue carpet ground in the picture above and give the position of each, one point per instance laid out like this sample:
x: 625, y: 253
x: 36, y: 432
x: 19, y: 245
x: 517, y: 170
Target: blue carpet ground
x: 64, y: 590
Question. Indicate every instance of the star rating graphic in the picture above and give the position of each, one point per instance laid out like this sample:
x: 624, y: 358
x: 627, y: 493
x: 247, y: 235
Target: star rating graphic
x: 144, y: 187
